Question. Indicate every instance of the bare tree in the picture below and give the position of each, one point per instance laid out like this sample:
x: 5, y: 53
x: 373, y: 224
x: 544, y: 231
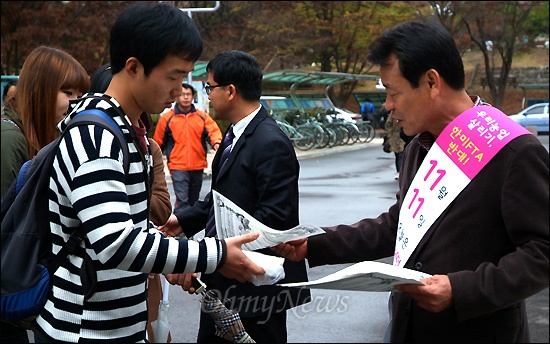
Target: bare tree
x: 79, y: 27
x: 494, y: 27
x: 328, y: 35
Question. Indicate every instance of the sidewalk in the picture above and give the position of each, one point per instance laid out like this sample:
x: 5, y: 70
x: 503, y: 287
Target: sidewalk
x: 312, y: 153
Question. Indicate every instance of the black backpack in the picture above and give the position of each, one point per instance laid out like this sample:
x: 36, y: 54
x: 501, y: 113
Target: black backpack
x: 27, y: 261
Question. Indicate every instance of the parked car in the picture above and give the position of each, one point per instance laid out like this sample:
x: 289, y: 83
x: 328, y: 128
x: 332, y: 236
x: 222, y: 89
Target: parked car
x: 541, y: 41
x: 344, y: 114
x: 535, y: 115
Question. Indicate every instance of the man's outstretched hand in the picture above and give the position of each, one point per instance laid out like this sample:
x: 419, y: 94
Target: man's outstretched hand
x: 237, y: 265
x: 171, y: 227
x: 295, y: 250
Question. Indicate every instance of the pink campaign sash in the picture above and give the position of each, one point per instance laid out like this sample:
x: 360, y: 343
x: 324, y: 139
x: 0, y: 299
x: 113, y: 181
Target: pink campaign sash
x: 462, y: 149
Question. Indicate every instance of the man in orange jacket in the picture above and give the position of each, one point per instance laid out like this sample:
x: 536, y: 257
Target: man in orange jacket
x: 183, y: 133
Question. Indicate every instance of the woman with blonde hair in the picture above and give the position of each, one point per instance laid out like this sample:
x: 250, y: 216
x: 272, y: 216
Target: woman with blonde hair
x: 49, y: 79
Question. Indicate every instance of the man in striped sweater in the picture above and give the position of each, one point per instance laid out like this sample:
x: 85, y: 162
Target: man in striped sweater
x: 99, y: 292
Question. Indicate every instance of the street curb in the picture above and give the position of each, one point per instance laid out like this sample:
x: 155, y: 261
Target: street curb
x: 315, y: 153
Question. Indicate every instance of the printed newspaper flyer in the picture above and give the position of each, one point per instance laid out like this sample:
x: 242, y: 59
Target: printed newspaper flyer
x: 233, y: 221
x: 365, y: 276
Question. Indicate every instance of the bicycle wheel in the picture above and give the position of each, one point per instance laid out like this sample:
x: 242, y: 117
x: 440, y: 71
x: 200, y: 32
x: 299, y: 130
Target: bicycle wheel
x: 342, y: 134
x: 304, y: 138
x: 371, y: 133
x: 332, y: 137
x: 353, y: 133
x: 366, y: 131
x: 321, y: 138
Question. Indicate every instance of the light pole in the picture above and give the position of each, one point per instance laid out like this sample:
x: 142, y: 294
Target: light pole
x: 189, y: 13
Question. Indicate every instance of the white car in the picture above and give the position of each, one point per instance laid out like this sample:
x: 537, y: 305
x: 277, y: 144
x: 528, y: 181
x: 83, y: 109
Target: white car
x: 345, y: 114
x: 535, y: 115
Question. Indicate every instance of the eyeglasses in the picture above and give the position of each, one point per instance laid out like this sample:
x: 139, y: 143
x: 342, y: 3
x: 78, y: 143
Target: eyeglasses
x: 209, y: 88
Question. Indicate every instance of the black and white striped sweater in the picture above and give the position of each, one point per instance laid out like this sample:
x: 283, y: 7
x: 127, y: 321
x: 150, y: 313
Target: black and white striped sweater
x: 88, y: 186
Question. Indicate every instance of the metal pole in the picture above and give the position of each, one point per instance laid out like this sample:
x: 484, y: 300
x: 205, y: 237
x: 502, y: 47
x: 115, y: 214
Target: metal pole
x: 190, y: 75
x: 189, y: 13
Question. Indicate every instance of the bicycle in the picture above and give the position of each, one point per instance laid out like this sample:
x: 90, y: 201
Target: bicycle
x: 366, y: 130
x: 301, y: 138
x: 323, y: 136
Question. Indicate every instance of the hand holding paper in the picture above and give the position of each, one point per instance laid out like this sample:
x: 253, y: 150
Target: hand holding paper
x: 435, y: 295
x: 232, y: 221
x: 294, y: 250
x: 238, y: 265
x: 273, y: 266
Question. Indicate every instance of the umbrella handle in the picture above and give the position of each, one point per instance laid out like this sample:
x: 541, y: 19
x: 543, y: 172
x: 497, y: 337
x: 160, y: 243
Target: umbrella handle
x: 200, y: 286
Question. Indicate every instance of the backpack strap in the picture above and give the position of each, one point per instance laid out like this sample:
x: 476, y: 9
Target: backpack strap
x: 90, y: 116
x: 96, y: 116
x: 125, y: 122
x: 74, y: 241
x: 133, y: 133
x: 20, y: 181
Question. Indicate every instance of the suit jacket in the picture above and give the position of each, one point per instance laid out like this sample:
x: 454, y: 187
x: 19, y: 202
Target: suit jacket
x: 492, y: 242
x: 261, y: 177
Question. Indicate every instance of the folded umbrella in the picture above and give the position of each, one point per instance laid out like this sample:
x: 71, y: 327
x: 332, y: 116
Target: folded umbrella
x: 228, y: 322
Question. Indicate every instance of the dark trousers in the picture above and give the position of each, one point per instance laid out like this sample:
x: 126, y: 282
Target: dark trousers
x: 272, y: 330
x: 187, y: 187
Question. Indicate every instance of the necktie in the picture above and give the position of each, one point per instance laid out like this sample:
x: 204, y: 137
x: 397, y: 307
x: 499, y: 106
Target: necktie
x: 210, y: 229
x: 227, y: 143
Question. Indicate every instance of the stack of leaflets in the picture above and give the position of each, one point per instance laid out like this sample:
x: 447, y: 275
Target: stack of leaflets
x: 365, y: 276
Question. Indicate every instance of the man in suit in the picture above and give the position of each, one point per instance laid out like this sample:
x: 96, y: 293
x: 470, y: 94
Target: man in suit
x: 261, y: 177
x: 485, y: 244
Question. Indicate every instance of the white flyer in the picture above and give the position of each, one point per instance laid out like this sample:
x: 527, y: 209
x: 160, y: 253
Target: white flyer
x: 233, y: 221
x: 365, y: 276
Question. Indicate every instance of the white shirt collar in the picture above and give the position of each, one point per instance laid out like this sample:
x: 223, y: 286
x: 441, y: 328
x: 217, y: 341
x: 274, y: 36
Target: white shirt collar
x: 240, y: 126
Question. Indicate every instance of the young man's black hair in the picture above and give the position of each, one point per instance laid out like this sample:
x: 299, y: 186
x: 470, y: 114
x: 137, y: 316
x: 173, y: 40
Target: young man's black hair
x: 136, y: 35
x: 243, y: 71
